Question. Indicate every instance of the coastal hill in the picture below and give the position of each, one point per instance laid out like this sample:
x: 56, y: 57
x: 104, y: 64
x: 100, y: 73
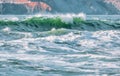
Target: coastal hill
x: 91, y: 7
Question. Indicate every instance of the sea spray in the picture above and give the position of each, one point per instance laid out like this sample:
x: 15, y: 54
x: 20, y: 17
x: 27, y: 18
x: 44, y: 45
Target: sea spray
x: 67, y: 18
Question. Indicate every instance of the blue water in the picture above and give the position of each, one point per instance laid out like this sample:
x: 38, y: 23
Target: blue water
x: 60, y: 52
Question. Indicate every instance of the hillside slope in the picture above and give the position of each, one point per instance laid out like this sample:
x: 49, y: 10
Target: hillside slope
x: 96, y: 7
x: 85, y: 6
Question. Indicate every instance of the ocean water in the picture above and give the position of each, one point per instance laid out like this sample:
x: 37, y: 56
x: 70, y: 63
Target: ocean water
x: 26, y: 50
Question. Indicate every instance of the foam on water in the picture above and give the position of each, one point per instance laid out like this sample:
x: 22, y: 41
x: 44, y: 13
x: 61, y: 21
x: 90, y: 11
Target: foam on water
x: 74, y: 53
x: 27, y: 51
x: 6, y: 29
x: 65, y: 17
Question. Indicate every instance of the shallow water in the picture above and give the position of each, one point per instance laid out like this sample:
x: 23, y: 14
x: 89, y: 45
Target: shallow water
x: 61, y: 52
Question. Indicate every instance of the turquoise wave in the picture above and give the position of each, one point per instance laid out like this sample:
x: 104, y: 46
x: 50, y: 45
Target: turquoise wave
x: 46, y: 24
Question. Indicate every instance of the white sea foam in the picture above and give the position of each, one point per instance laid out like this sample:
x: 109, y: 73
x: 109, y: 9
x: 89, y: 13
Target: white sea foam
x: 6, y: 29
x: 90, y: 53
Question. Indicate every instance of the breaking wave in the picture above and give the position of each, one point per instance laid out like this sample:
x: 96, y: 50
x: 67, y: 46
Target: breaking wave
x: 46, y: 24
x: 55, y: 46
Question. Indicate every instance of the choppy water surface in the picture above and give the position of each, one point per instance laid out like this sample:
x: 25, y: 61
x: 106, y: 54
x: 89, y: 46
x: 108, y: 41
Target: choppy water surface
x: 60, y: 52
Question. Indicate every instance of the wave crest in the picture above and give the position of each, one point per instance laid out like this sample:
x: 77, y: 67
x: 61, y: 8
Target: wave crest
x: 45, y: 24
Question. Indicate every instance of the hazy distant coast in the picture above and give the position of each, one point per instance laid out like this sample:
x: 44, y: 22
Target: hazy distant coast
x: 90, y: 7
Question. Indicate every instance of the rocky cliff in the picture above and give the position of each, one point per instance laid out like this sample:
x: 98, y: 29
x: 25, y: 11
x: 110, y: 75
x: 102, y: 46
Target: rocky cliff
x: 96, y: 7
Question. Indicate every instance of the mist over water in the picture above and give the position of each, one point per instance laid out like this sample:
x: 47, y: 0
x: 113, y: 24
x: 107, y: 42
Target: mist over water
x: 61, y: 51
